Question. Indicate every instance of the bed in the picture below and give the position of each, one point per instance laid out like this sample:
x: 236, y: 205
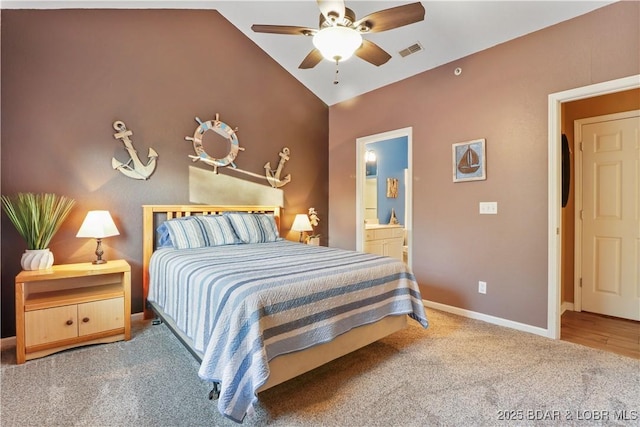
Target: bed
x: 256, y: 313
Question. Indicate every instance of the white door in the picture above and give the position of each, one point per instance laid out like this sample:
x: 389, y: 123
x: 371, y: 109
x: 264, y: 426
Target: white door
x: 610, y: 225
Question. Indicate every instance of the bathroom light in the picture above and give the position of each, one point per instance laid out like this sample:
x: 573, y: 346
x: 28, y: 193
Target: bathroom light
x: 337, y: 43
x: 370, y: 156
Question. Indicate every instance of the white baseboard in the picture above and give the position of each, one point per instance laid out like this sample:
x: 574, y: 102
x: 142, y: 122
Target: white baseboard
x: 486, y: 318
x: 566, y: 306
x: 11, y: 341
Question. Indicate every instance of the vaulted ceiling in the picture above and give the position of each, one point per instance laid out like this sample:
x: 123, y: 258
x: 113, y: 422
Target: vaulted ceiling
x: 451, y: 30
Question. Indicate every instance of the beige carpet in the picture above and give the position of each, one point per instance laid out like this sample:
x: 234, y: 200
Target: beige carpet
x: 458, y: 372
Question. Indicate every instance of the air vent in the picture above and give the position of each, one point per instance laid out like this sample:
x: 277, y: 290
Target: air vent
x: 414, y: 48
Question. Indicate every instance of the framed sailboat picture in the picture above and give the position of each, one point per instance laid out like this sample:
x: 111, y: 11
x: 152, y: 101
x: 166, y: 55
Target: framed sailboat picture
x: 469, y: 161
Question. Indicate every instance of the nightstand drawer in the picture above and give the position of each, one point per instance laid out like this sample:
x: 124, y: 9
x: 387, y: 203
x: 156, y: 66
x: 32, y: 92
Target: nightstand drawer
x: 99, y: 316
x: 50, y: 325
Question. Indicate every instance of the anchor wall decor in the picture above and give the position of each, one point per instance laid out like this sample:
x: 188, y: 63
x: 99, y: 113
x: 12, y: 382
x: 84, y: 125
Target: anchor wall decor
x: 273, y: 177
x: 133, y: 168
x: 224, y: 130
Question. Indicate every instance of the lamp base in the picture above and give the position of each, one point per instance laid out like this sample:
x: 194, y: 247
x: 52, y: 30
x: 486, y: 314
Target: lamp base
x: 99, y: 253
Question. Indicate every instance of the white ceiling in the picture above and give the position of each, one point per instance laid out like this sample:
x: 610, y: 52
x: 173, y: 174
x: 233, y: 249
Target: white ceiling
x: 450, y: 30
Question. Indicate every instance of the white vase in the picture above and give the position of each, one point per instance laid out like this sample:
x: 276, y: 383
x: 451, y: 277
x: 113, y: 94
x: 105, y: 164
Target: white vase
x: 36, y: 259
x: 315, y: 241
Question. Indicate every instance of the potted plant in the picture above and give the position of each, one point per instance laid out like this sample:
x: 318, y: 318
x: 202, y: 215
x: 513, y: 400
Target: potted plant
x: 37, y: 218
x: 313, y: 239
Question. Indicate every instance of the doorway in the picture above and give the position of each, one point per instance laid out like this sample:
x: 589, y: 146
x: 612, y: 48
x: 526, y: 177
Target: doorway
x: 554, y: 188
x: 606, y: 251
x: 396, y: 141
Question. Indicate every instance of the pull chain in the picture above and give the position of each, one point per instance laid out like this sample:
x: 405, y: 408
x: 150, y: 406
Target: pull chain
x: 335, y: 81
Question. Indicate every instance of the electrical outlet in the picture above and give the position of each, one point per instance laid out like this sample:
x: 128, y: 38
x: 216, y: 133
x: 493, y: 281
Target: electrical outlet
x: 482, y: 287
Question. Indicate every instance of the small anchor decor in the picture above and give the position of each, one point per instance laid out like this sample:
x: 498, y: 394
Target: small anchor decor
x: 133, y: 168
x: 221, y: 129
x: 273, y: 177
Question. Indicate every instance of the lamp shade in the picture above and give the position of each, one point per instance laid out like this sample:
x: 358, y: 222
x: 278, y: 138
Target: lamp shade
x: 301, y: 223
x: 98, y: 224
x: 337, y: 43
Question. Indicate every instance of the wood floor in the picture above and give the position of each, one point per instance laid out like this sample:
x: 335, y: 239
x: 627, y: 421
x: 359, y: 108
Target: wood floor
x: 603, y: 332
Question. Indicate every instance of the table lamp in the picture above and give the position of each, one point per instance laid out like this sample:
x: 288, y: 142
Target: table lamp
x: 98, y: 225
x: 301, y: 223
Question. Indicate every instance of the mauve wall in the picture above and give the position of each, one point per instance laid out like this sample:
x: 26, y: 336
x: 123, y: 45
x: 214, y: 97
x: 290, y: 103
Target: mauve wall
x: 67, y: 75
x: 502, y: 95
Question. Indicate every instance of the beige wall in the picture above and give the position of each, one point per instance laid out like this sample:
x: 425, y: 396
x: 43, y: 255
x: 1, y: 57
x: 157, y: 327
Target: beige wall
x: 67, y: 75
x: 571, y: 111
x: 502, y: 95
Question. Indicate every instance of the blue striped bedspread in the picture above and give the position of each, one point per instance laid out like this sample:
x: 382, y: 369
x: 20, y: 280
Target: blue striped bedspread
x: 243, y: 305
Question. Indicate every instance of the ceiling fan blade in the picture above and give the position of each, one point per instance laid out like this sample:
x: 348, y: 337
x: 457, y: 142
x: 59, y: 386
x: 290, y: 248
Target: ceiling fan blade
x: 333, y: 10
x: 372, y: 53
x: 389, y: 19
x: 311, y: 60
x: 283, y: 29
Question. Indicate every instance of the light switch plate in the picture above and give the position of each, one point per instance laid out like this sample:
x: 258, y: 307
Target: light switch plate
x: 489, y: 208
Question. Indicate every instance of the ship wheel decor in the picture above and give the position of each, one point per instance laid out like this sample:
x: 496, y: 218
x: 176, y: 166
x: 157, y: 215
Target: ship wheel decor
x: 221, y: 129
x: 469, y: 161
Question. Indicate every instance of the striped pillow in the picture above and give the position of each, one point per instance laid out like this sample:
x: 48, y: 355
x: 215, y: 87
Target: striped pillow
x: 200, y: 231
x: 219, y: 230
x: 254, y: 228
x: 163, y: 238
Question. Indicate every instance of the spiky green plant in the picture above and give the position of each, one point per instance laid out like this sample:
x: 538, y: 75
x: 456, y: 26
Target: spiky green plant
x: 37, y: 217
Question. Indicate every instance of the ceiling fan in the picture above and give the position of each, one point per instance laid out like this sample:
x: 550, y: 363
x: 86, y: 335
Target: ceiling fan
x: 339, y: 35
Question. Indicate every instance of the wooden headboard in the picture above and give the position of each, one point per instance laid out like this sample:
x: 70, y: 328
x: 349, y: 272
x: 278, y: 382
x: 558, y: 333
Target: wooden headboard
x: 154, y: 215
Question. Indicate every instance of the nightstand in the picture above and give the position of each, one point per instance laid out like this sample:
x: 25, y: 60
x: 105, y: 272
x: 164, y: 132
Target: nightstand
x: 72, y: 305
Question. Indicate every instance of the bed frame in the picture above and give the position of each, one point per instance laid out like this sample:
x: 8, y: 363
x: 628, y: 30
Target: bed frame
x: 284, y: 367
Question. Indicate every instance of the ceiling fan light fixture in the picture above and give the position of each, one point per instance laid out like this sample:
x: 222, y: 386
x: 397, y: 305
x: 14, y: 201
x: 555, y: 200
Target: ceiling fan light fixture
x: 337, y: 43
